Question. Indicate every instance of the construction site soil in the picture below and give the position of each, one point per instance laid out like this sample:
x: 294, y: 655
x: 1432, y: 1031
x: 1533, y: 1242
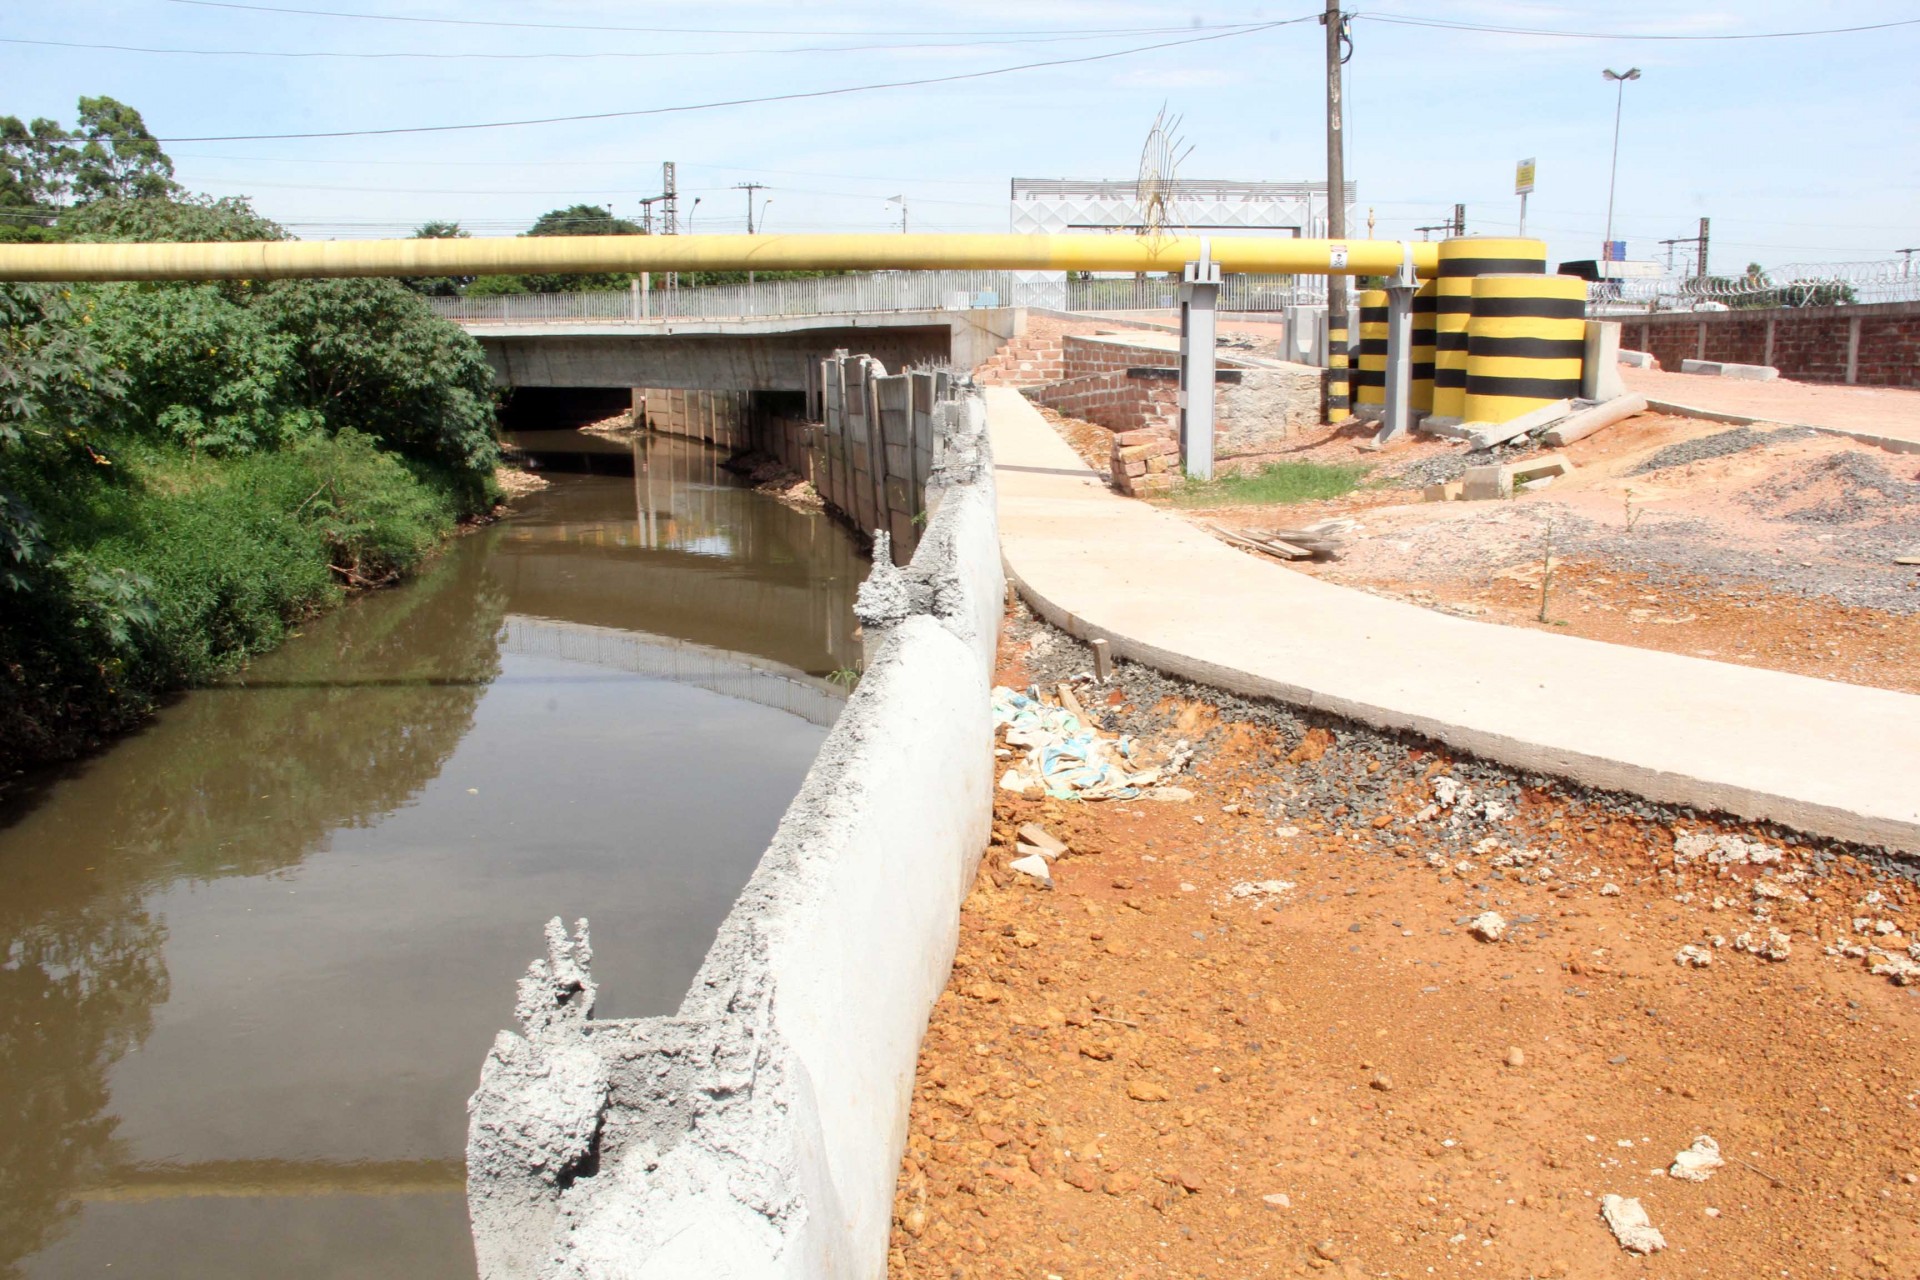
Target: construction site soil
x: 1773, y: 548
x: 1257, y: 1030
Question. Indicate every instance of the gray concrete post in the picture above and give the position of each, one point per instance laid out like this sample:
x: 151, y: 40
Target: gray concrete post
x: 1199, y: 291
x: 1397, y: 419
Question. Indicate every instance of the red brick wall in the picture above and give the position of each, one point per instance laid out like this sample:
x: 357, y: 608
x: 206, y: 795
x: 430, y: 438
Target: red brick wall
x: 1809, y: 343
x: 1113, y: 400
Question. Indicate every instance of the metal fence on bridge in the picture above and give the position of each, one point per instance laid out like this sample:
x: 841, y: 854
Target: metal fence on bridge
x: 877, y: 291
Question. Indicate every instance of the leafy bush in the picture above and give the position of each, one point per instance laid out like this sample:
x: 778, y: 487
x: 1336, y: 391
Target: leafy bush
x: 201, y: 370
x: 370, y: 354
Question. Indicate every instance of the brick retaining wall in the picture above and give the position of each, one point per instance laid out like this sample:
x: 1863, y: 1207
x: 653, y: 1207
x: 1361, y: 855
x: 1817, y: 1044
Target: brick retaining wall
x: 1871, y: 346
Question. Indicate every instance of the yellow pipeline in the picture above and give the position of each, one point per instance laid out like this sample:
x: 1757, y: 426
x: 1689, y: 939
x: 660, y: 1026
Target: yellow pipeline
x: 513, y: 255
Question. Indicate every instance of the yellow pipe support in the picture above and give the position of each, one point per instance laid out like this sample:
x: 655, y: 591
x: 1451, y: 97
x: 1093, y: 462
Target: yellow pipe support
x: 1525, y: 344
x: 513, y: 255
x: 1370, y: 383
x: 1420, y: 383
x: 1339, y: 385
x: 1461, y: 259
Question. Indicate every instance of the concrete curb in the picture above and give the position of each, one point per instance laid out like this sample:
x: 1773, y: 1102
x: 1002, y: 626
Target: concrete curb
x: 758, y: 1131
x: 1892, y: 444
x: 1830, y: 759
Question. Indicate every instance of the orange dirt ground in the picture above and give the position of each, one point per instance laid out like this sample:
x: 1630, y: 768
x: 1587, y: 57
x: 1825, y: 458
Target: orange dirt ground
x: 1489, y: 567
x: 1140, y: 1074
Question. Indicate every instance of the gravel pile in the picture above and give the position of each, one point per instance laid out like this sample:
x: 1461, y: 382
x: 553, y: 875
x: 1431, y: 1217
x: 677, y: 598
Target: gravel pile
x: 1720, y: 445
x: 1845, y: 488
x: 1853, y: 568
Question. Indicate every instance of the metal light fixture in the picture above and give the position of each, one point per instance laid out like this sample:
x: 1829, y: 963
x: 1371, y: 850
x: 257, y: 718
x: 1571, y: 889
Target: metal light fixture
x: 1613, y: 173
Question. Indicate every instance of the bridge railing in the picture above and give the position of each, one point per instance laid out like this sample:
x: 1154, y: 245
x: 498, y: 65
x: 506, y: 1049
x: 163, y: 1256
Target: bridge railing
x: 875, y: 292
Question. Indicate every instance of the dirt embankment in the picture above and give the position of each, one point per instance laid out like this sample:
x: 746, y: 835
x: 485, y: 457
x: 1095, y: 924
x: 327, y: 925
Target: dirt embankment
x: 1777, y: 548
x: 1255, y: 1032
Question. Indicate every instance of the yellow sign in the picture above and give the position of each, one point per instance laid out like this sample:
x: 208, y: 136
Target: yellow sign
x: 1523, y: 178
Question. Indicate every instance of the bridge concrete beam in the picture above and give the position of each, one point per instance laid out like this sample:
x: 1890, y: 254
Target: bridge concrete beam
x: 770, y: 354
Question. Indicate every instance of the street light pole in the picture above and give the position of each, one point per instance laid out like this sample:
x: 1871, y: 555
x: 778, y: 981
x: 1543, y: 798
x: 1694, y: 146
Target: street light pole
x: 1613, y: 172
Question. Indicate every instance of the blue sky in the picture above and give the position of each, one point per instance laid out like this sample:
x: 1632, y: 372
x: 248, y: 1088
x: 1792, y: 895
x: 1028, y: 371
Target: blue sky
x: 1800, y: 150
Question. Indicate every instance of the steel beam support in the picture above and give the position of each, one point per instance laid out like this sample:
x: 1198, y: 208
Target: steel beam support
x: 1199, y: 291
x: 1398, y: 418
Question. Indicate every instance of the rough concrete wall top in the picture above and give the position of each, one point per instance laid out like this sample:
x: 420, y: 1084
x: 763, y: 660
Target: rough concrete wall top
x: 757, y: 1132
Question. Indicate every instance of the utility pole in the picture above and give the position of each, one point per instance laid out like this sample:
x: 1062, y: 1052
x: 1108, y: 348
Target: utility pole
x: 1336, y: 24
x: 750, y: 188
x: 900, y: 200
x: 1701, y: 259
x: 670, y: 199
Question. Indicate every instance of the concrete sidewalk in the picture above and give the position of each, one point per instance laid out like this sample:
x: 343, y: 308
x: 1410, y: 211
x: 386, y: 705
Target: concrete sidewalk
x: 1829, y: 759
x: 1884, y: 416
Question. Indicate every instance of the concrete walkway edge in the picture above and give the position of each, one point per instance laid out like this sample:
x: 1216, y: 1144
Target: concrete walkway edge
x: 1892, y: 444
x: 1829, y: 759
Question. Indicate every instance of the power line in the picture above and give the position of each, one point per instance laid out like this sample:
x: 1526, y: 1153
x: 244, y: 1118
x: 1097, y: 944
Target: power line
x: 704, y: 31
x: 688, y: 107
x: 388, y: 55
x: 1447, y: 24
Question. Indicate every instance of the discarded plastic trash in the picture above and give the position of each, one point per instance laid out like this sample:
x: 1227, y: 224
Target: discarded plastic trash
x: 1066, y: 759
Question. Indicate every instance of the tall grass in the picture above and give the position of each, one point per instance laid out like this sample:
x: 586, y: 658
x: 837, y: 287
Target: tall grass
x: 1275, y: 484
x: 175, y: 566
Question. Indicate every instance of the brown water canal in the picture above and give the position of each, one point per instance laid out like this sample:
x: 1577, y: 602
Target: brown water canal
x: 251, y: 957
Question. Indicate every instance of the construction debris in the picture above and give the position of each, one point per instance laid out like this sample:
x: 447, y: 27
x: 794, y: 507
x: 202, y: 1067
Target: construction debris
x: 1697, y: 1162
x: 1485, y: 435
x: 1693, y: 955
x: 1627, y: 1219
x: 1578, y: 426
x: 1483, y: 483
x: 1033, y: 865
x: 1034, y: 838
x: 1068, y: 758
x: 1488, y: 926
x: 1317, y: 541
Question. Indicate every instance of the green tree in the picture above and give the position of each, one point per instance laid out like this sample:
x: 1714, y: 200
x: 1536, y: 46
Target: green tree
x: 33, y: 179
x: 117, y: 157
x: 173, y: 219
x: 109, y: 155
x: 580, y: 220
x: 438, y: 286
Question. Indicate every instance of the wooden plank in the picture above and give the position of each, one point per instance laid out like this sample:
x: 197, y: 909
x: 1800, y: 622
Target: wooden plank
x: 1273, y: 546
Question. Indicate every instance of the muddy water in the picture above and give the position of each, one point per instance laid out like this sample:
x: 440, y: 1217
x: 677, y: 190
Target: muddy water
x: 252, y: 957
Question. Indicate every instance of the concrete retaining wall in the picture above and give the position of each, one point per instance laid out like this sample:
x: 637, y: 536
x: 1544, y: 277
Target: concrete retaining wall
x: 758, y: 1131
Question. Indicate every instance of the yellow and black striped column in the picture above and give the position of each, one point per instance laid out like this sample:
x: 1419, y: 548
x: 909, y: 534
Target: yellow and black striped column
x: 1370, y: 375
x: 1461, y: 259
x: 1526, y: 341
x: 1420, y: 386
x: 1337, y: 390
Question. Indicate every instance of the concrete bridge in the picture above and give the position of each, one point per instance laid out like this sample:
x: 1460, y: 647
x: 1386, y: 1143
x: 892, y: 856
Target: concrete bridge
x: 752, y: 354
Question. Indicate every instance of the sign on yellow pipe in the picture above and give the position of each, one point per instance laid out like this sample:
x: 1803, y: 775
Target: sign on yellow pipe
x: 514, y: 255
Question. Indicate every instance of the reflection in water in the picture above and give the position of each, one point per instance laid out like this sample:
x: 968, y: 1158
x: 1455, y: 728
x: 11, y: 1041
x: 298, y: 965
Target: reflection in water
x: 705, y: 560
x: 251, y: 957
